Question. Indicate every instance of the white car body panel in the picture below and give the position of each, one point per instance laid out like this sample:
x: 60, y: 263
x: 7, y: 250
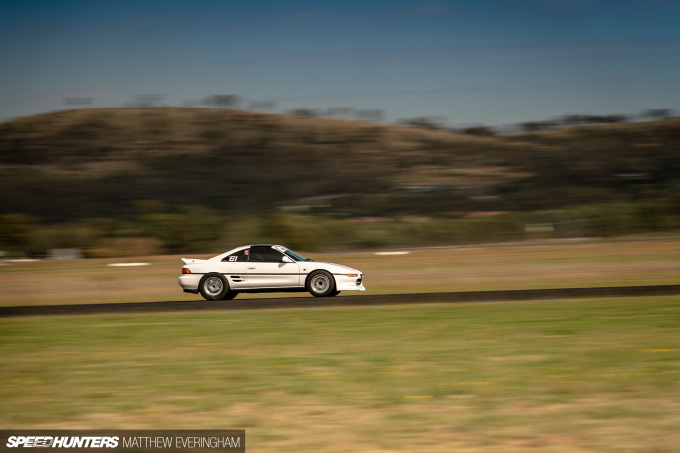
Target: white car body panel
x: 249, y: 275
x: 273, y: 275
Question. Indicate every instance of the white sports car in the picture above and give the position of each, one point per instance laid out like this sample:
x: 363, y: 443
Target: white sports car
x: 265, y: 268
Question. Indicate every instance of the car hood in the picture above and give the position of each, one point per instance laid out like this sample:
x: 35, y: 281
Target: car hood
x: 330, y: 267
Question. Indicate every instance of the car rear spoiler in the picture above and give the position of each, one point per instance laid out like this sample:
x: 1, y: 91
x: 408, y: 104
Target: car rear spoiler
x: 192, y: 260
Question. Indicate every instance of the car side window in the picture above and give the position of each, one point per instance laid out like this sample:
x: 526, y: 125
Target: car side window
x: 265, y: 255
x: 240, y: 256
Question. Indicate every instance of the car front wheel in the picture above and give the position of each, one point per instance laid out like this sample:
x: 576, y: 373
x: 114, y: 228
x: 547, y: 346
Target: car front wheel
x: 213, y: 286
x: 321, y: 284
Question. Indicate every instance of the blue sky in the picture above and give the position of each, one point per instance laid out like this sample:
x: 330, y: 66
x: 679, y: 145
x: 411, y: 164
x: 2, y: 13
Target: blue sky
x: 484, y: 61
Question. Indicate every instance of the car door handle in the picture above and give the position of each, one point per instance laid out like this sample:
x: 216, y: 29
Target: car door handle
x: 251, y: 267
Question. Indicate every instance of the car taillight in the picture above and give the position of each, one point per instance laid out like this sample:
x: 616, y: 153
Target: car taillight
x: 186, y: 270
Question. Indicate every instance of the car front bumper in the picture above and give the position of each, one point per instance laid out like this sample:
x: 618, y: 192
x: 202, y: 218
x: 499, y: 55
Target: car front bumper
x: 345, y: 283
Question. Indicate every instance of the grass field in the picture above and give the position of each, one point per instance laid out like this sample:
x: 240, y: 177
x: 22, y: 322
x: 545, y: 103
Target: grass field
x: 570, y: 376
x: 492, y: 267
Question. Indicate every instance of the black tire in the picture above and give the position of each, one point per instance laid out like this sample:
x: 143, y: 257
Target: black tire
x: 230, y: 295
x: 334, y: 293
x: 321, y: 284
x: 213, y: 286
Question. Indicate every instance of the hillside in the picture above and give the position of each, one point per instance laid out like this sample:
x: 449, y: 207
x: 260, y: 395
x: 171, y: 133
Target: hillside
x: 228, y: 160
x: 101, y: 163
x: 96, y: 162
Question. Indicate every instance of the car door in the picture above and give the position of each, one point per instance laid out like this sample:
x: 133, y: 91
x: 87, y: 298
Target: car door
x: 233, y: 267
x: 266, y: 268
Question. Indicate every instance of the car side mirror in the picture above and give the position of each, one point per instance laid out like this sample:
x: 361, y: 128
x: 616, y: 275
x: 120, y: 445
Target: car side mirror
x: 287, y: 259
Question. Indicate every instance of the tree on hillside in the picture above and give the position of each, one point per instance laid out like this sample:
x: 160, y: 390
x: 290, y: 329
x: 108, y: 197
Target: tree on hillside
x: 311, y: 113
x: 426, y: 122
x: 657, y: 114
x: 580, y: 120
x: 534, y: 126
x: 224, y: 101
x: 480, y: 130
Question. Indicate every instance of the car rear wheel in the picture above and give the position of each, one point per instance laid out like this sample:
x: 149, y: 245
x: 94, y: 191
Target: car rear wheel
x: 321, y: 284
x: 213, y: 286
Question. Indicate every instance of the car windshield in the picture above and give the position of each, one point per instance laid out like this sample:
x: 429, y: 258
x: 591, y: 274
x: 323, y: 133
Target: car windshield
x: 296, y: 256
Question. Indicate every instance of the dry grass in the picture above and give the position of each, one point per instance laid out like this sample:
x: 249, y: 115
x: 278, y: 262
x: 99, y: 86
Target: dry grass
x: 499, y: 267
x: 567, y: 376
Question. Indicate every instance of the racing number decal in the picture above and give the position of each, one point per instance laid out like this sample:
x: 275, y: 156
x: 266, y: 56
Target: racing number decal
x: 233, y: 258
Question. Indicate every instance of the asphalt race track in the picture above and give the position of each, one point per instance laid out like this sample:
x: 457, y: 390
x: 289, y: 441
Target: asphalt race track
x: 343, y: 301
